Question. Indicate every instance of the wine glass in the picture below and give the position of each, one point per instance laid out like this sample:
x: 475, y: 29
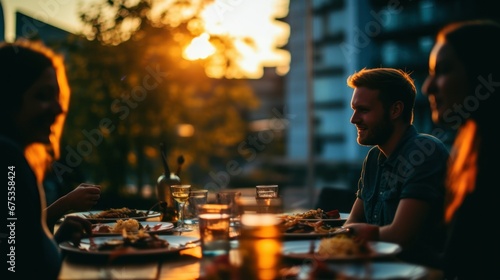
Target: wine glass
x: 181, y: 194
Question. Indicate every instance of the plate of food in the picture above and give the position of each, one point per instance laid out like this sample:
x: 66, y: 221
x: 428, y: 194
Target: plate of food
x: 316, y: 214
x: 130, y: 226
x: 304, y: 229
x: 114, y: 214
x: 312, y: 223
x: 129, y: 245
x: 341, y: 247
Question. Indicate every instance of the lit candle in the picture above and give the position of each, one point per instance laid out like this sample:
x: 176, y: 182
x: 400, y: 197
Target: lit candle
x: 260, y: 246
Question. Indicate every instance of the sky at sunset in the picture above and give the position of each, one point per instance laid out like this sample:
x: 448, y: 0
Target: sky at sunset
x: 235, y: 17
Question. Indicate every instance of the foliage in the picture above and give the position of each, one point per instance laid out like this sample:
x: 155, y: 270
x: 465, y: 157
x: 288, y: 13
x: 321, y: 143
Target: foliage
x: 131, y: 90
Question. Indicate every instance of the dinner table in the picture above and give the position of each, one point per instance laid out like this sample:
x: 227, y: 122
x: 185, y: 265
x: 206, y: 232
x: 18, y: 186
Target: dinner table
x: 188, y: 263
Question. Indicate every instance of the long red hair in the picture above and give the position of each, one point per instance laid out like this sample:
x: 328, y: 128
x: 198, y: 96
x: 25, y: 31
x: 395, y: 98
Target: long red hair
x: 462, y: 172
x: 41, y: 156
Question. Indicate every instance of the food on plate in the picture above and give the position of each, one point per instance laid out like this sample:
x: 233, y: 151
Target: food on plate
x: 117, y: 213
x: 302, y: 226
x: 298, y: 222
x: 313, y: 214
x: 129, y: 225
x: 139, y: 240
x: 342, y: 245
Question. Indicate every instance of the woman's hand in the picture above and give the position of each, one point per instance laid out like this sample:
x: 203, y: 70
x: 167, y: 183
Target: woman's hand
x: 73, y: 229
x: 83, y: 197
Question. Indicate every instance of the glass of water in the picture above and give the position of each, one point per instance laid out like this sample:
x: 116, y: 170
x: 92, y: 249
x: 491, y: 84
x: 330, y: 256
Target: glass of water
x: 214, y: 229
x: 196, y: 199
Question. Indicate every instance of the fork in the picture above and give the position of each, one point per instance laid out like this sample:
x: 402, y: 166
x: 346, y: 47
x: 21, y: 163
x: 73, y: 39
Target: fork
x: 191, y: 244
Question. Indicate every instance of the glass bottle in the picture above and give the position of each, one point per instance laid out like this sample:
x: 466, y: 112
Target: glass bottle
x: 167, y: 202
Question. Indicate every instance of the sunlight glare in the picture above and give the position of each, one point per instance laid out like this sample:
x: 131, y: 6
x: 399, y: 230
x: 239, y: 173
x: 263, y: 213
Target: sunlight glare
x: 256, y: 20
x: 199, y: 48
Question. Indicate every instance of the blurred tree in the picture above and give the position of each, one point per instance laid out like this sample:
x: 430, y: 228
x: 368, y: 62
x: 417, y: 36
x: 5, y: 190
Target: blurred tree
x: 131, y: 90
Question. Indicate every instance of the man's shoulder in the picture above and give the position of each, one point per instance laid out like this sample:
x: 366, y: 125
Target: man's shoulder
x: 429, y: 138
x: 412, y: 133
x: 427, y: 143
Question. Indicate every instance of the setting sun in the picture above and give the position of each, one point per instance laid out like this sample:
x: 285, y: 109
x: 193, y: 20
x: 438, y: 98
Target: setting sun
x: 256, y: 34
x: 199, y: 48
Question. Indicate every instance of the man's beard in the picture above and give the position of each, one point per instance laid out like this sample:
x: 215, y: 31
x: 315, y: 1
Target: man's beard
x: 377, y: 135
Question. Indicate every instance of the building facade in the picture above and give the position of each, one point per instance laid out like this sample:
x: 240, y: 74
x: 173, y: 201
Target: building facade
x: 331, y: 39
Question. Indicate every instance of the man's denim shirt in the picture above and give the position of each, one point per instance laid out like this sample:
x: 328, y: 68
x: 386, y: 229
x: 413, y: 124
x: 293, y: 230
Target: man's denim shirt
x: 415, y: 169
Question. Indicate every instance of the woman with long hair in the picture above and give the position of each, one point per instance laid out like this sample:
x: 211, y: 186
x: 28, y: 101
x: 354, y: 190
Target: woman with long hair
x: 35, y: 97
x: 463, y: 89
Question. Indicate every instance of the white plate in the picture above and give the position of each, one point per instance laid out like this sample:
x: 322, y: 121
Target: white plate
x: 380, y: 271
x: 154, y: 227
x: 176, y: 244
x: 300, y: 250
x: 85, y: 215
x: 312, y: 235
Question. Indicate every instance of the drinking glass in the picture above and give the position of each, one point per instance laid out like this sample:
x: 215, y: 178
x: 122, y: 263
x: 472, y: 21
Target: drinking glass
x: 181, y: 194
x: 229, y: 198
x: 214, y: 229
x: 265, y: 195
x: 196, y: 199
x: 266, y: 191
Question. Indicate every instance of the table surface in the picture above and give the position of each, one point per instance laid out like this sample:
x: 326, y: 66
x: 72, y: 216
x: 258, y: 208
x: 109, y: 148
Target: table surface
x: 184, y: 265
x: 187, y: 264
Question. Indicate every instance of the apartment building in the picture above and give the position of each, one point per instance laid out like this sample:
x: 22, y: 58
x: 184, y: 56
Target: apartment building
x: 331, y: 39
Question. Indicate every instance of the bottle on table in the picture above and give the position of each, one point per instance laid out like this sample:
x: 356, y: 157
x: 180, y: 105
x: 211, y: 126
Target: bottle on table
x: 167, y: 202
